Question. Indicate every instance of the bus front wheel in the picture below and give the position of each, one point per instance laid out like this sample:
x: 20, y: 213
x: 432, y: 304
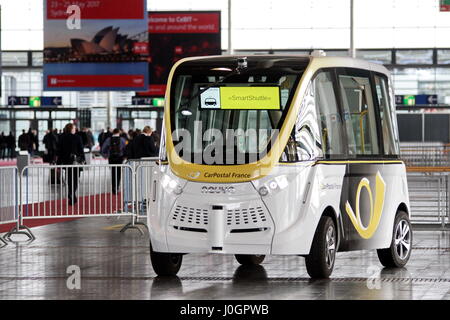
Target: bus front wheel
x: 397, y: 255
x: 165, y: 264
x: 320, y: 261
x: 249, y: 259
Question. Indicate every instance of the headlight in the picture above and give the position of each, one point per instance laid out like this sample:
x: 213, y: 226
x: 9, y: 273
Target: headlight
x: 171, y: 185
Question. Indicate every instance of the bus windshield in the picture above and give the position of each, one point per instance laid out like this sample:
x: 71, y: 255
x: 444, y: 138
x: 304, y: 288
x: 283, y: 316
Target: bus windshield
x: 221, y: 115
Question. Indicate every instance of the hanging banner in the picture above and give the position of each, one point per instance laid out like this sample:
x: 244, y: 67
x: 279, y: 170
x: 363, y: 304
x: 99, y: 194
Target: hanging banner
x: 176, y: 35
x: 444, y: 5
x: 99, y: 45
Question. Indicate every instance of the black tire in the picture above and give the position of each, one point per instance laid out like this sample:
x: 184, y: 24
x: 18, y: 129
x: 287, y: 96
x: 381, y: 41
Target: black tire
x: 320, y: 260
x: 249, y: 259
x: 165, y: 264
x: 394, y: 256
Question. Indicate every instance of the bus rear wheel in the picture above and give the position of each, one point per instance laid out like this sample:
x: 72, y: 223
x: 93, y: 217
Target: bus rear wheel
x: 165, y: 264
x: 397, y: 255
x: 320, y: 261
x: 249, y: 259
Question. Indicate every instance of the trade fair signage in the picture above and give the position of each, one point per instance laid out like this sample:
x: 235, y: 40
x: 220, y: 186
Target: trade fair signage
x: 175, y: 35
x: 444, y: 5
x: 97, y: 45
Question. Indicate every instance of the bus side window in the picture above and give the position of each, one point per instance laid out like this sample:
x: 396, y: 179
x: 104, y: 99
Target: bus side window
x: 359, y: 115
x: 386, y: 114
x: 305, y: 141
x: 328, y: 116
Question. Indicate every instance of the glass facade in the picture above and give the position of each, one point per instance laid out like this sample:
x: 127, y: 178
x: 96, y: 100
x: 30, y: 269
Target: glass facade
x: 411, y: 40
x: 415, y: 71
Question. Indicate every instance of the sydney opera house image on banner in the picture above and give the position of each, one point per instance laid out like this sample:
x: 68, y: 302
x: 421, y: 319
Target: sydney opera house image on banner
x: 114, y: 43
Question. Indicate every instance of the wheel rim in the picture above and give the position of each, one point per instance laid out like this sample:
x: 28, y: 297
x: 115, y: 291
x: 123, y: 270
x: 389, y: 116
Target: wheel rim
x: 330, y: 247
x: 402, y: 239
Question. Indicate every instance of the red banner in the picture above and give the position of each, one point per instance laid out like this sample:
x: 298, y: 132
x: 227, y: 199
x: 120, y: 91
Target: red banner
x: 184, y: 23
x: 154, y: 90
x: 97, y: 9
x: 99, y: 81
x: 140, y: 48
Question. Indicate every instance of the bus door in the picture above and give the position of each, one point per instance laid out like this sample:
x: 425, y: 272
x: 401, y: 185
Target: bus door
x: 362, y: 206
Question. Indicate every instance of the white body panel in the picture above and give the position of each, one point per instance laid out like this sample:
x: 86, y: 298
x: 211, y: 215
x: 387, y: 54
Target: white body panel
x: 287, y: 217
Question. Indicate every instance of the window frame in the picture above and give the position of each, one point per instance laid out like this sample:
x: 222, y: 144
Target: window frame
x: 355, y: 72
x: 344, y: 140
x: 392, y: 111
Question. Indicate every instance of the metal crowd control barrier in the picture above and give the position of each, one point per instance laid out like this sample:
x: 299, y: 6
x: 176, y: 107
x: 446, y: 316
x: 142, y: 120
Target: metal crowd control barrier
x: 140, y: 181
x: 426, y: 154
x: 52, y: 192
x: 8, y: 198
x: 145, y: 187
x: 429, y: 198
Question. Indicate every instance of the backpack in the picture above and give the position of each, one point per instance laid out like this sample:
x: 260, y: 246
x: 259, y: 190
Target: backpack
x: 114, y: 148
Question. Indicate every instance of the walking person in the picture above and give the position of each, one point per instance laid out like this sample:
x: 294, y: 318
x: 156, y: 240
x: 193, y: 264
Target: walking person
x: 24, y: 141
x: 144, y: 144
x: 35, y: 142
x: 11, y: 145
x: 90, y: 139
x: 114, y: 149
x: 70, y: 152
x: 129, y: 149
x: 103, y: 136
x: 3, y: 146
x: 51, y: 145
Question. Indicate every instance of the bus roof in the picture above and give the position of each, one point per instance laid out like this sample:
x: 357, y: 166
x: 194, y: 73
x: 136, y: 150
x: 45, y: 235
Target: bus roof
x: 317, y: 62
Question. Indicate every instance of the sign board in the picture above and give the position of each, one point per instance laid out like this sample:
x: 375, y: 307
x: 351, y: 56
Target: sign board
x: 241, y: 98
x: 51, y: 101
x: 175, y: 35
x: 444, y: 5
x: 399, y: 99
x: 413, y: 100
x: 35, y: 101
x: 97, y: 45
x: 143, y: 101
x: 18, y: 101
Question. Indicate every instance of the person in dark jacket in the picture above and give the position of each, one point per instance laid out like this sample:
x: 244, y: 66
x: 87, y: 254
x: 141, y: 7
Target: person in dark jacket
x: 103, y: 136
x: 84, y: 138
x: 144, y: 145
x: 90, y: 139
x: 70, y: 152
x: 24, y: 141
x: 51, y: 146
x: 11, y: 144
x: 129, y: 149
x: 114, y: 149
x: 35, y: 142
x: 3, y: 145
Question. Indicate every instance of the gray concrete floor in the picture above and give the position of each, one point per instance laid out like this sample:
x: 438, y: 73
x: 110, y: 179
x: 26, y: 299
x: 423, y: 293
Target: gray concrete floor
x: 117, y: 266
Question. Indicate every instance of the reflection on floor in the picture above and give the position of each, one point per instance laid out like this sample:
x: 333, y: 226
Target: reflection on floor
x: 117, y: 266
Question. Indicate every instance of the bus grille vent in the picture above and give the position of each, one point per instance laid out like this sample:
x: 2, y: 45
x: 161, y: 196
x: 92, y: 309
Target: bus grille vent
x: 246, y: 216
x: 190, y: 216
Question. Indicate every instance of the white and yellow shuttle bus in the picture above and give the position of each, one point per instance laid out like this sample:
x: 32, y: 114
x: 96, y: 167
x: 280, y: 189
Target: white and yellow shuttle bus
x: 279, y: 155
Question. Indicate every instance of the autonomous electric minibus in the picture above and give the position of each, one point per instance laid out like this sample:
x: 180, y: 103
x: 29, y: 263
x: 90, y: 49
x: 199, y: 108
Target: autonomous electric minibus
x: 279, y: 155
